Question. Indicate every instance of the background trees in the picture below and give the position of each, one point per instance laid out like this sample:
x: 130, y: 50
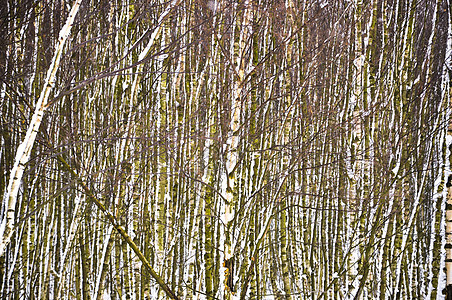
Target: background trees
x: 270, y: 149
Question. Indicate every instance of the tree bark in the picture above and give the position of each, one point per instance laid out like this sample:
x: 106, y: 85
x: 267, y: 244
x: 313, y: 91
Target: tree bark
x: 7, y: 226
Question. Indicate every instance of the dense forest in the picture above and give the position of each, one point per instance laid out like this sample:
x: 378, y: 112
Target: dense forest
x: 225, y: 149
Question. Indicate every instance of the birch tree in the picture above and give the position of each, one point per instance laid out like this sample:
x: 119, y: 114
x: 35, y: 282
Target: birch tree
x: 24, y: 150
x: 227, y: 149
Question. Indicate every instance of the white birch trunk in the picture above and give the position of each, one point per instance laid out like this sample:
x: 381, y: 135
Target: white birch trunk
x: 7, y: 226
x: 231, y: 146
x: 447, y: 92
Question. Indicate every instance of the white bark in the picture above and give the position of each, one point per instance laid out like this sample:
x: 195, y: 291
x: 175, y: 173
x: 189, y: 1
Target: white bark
x: 447, y: 91
x: 72, y: 231
x: 7, y: 226
x: 232, y: 142
x: 102, y: 262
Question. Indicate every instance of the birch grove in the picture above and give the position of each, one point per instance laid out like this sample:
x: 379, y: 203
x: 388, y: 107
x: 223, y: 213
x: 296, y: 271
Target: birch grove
x: 213, y: 149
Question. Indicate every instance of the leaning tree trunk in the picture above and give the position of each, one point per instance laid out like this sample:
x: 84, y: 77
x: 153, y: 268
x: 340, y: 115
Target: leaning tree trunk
x: 7, y: 227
